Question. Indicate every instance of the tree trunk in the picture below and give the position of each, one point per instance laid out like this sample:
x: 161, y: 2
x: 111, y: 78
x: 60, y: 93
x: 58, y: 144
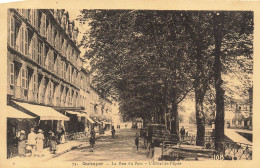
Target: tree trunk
x: 200, y: 117
x: 175, y: 119
x: 219, y: 121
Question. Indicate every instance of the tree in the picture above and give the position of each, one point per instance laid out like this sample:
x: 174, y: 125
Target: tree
x: 199, y: 30
x: 227, y: 24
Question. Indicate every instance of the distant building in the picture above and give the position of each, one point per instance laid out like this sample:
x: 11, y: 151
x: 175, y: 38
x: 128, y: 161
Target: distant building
x: 238, y: 116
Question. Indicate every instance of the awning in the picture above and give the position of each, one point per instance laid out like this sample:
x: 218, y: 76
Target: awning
x: 44, y: 112
x: 90, y: 120
x: 95, y: 121
x: 106, y: 122
x: 77, y: 113
x: 14, y: 113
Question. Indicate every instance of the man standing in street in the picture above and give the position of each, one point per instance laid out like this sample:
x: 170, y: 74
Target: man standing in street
x: 113, y: 131
x: 92, y: 140
x: 137, y: 141
x: 182, y: 133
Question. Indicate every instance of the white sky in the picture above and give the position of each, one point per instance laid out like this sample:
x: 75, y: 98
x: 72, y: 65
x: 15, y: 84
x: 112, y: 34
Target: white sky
x: 73, y: 13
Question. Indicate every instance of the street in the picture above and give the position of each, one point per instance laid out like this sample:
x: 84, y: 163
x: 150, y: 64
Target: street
x: 121, y: 148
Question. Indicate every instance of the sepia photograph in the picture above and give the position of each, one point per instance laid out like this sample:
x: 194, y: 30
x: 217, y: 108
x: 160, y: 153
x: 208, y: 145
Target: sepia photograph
x: 129, y: 87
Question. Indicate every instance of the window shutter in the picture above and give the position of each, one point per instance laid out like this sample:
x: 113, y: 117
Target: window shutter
x: 12, y: 32
x: 26, y: 78
x: 12, y: 73
x: 21, y: 40
x: 26, y: 42
x: 44, y: 25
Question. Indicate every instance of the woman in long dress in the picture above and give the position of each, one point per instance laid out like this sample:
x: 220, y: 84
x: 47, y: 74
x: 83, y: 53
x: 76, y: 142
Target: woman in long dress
x: 62, y: 136
x: 21, y: 143
x: 39, y: 142
x: 32, y: 142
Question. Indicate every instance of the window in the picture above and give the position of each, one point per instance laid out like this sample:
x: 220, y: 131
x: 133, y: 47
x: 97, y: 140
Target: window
x: 12, y: 73
x: 22, y: 40
x: 39, y: 52
x: 72, y: 94
x: 69, y: 97
x: 26, y: 42
x: 50, y: 55
x: 34, y: 48
x: 12, y: 32
x: 34, y: 17
x: 43, y: 28
x: 53, y: 36
x: 43, y: 85
x: 24, y: 78
x: 69, y: 71
x: 64, y: 70
x: 25, y: 12
x: 67, y: 51
x: 57, y: 65
x: 50, y: 89
x: 35, y: 82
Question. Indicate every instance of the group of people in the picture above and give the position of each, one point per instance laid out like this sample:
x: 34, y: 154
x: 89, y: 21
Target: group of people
x: 34, y: 144
x: 38, y: 140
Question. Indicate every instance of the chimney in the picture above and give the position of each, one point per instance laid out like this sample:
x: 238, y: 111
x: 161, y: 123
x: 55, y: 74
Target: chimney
x: 75, y: 35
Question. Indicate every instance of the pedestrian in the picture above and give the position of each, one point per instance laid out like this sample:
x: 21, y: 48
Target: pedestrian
x: 59, y: 136
x: 32, y: 142
x: 39, y: 142
x: 21, y: 143
x: 137, y: 140
x: 113, y: 131
x: 62, y: 136
x: 86, y: 131
x: 182, y: 133
x: 92, y: 133
x: 53, y: 143
x: 92, y: 139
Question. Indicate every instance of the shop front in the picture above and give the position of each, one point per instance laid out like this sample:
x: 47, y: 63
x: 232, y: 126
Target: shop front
x: 17, y: 121
x: 47, y: 119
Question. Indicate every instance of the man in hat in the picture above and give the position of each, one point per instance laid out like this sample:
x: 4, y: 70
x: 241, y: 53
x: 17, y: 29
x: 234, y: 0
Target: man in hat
x: 32, y: 141
x: 39, y: 142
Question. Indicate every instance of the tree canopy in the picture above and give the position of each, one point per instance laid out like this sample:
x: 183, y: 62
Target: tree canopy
x: 149, y: 60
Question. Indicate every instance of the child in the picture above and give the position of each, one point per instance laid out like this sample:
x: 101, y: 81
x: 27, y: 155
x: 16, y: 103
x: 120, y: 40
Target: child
x: 137, y: 141
x: 53, y: 144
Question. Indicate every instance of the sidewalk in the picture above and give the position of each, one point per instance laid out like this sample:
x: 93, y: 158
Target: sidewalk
x: 61, y: 149
x: 234, y: 136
